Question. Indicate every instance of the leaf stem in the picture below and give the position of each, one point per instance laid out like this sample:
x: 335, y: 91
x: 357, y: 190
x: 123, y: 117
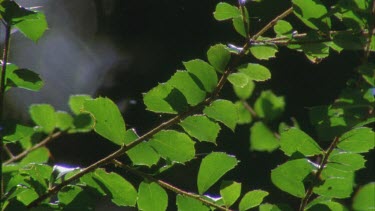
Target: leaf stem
x: 322, y: 165
x: 169, y: 186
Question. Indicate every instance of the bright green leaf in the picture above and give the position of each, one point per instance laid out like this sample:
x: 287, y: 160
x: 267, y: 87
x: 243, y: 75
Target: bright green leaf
x: 255, y: 72
x: 33, y: 28
x: 357, y: 140
x: 68, y: 194
x: 152, y: 197
x: 283, y: 28
x: 238, y: 79
x: 212, y: 168
x: 201, y: 128
x: 204, y: 72
x: 262, y: 138
x: 230, y: 191
x: 295, y: 140
x: 143, y: 153
x: 324, y: 203
x: 269, y: 106
x: 239, y: 26
x: 244, y: 116
x: 13, y: 132
x: 275, y: 207
x: 364, y: 198
x: 108, y: 119
x: 63, y: 120
x: 245, y: 92
x: 264, y: 52
x: 252, y: 199
x: 289, y: 176
x: 218, y: 56
x: 44, y: 116
x: 188, y: 86
x: 189, y: 204
x: 226, y: 11
x: 173, y: 145
x: 312, y: 13
x: 76, y: 103
x: 348, y: 161
x: 22, y: 78
x: 223, y: 111
x: 40, y: 155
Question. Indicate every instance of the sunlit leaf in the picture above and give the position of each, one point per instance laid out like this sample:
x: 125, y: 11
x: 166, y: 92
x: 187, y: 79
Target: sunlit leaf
x: 201, y: 128
x: 264, y: 52
x: 188, y: 204
x: 152, y: 197
x: 246, y: 91
x: 22, y: 78
x: 33, y: 28
x: 252, y: 199
x: 212, y: 168
x: 108, y: 119
x: 295, y: 140
x: 357, y: 140
x: 223, y: 111
x: 238, y: 79
x: 312, y: 13
x: 76, y: 103
x: 40, y: 155
x: 204, y: 72
x: 262, y: 138
x: 244, y: 116
x: 230, y: 191
x: 364, y: 198
x: 283, y: 28
x: 218, y: 56
x: 13, y: 132
x: 63, y: 120
x: 76, y: 198
x: 269, y: 106
x: 226, y: 11
x: 44, y: 116
x: 255, y: 72
x: 348, y: 161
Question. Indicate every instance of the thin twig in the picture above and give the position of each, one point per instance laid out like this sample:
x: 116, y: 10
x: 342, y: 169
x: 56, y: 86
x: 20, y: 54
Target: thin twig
x: 250, y: 109
x: 160, y: 127
x: 322, y: 165
x: 7, y: 150
x: 169, y: 186
x: 36, y: 146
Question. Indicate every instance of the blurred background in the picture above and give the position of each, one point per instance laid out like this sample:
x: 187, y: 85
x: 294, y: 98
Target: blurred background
x: 123, y: 48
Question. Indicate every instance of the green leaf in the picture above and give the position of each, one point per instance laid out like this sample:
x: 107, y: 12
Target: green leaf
x: 201, y: 128
x: 324, y: 203
x: 295, y: 140
x: 239, y: 26
x: 212, y: 168
x: 312, y: 13
x: 225, y: 11
x: 143, y: 153
x: 348, y: 161
x: 68, y: 194
x: 336, y: 182
x: 289, y: 176
x: 188, y: 86
x: 204, y: 72
x: 38, y: 176
x: 274, y: 207
x: 244, y: 115
x: 40, y: 155
x: 238, y: 79
x: 33, y: 28
x: 173, y: 146
x: 252, y: 199
x: 44, y: 116
x: 364, y: 198
x: 76, y: 103
x: 13, y: 132
x: 218, y: 56
x: 262, y: 138
x: 152, y: 197
x: 22, y: 78
x: 283, y: 28
x: 82, y: 123
x: 108, y: 119
x: 223, y: 111
x: 348, y: 41
x: 230, y: 191
x: 121, y: 192
x: 269, y: 106
x: 188, y: 204
x: 244, y: 92
x: 255, y: 72
x: 63, y: 120
x: 264, y: 52
x: 357, y: 140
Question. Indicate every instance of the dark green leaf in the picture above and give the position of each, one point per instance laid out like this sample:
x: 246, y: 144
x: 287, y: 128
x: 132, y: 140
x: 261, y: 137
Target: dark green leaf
x: 264, y: 52
x: 312, y: 13
x: 245, y: 92
x: 269, y: 106
x: 189, y: 204
x: 226, y: 11
x: 76, y: 103
x: 348, y: 41
x: 324, y: 203
x: 143, y: 153
x: 108, y: 119
x: 204, y: 72
x: 357, y: 140
x: 262, y: 138
x: 244, y: 116
x: 212, y: 168
x: 274, y: 207
x: 218, y: 56
x: 230, y: 191
x: 44, y: 116
x: 76, y: 198
x: 252, y: 199
x: 22, y: 78
x: 152, y: 197
x: 295, y: 140
x: 223, y: 111
x: 255, y: 72
x: 173, y: 146
x: 201, y: 128
x: 13, y: 132
x: 368, y: 72
x: 82, y: 123
x: 364, y: 198
x: 289, y: 176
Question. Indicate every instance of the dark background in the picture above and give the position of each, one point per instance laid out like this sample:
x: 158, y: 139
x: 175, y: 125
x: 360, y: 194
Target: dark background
x: 160, y: 35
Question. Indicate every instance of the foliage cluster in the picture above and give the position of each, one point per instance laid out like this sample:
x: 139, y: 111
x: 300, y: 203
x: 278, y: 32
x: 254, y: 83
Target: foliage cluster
x: 320, y: 177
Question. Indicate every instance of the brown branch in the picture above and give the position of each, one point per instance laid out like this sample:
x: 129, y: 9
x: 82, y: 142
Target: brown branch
x: 163, y: 125
x: 169, y: 186
x: 7, y: 150
x: 36, y: 146
x: 322, y: 165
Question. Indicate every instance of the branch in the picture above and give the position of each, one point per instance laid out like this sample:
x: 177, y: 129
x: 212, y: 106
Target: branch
x: 162, y: 126
x: 40, y: 144
x: 169, y: 186
x: 322, y: 165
